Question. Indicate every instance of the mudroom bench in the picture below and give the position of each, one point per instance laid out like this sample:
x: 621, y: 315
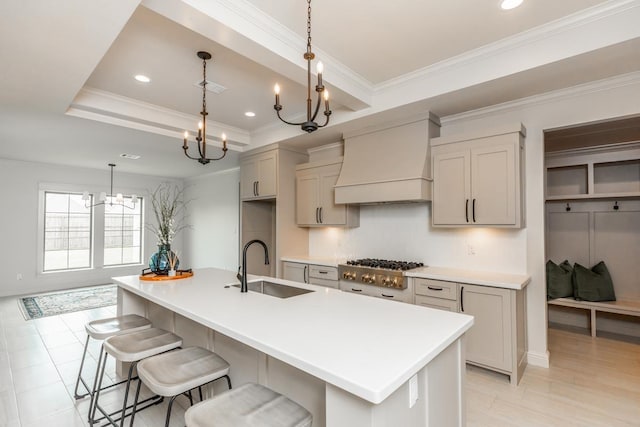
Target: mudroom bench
x: 623, y: 307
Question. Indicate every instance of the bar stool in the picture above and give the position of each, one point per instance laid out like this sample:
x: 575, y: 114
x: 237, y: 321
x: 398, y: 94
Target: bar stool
x: 249, y: 405
x: 101, y: 330
x: 178, y: 372
x: 131, y: 348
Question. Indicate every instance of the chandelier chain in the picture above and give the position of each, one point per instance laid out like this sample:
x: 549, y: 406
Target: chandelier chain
x: 204, y: 88
x: 309, y: 26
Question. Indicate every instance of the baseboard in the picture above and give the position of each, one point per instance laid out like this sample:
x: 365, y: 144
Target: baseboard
x: 538, y: 359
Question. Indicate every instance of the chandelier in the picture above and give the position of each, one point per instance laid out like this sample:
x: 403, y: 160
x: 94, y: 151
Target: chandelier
x: 310, y: 124
x: 110, y: 199
x: 201, y: 139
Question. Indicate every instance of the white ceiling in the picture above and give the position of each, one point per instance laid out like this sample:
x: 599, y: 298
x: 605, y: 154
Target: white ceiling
x: 68, y: 96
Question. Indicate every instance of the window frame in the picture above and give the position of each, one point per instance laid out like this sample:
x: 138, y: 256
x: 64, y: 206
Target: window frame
x: 141, y: 203
x: 97, y: 229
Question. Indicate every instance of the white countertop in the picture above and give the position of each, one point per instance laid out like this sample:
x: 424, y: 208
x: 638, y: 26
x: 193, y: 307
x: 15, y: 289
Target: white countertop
x: 366, y: 346
x: 485, y: 278
x: 305, y: 259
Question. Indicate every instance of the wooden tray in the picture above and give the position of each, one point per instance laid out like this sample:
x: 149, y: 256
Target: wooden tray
x: 156, y: 278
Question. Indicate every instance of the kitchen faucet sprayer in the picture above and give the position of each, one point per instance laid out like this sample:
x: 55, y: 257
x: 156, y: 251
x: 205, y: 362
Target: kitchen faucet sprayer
x: 243, y: 276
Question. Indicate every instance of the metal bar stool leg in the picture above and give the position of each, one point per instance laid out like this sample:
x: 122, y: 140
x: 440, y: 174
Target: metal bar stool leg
x: 126, y: 394
x: 95, y: 384
x: 135, y: 403
x: 166, y: 423
x: 80, y: 379
x: 96, y: 394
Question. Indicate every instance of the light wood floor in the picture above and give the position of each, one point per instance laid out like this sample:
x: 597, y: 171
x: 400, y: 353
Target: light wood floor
x: 591, y: 382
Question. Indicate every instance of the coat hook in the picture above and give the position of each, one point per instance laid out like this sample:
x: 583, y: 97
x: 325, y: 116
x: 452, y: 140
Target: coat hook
x: 616, y: 207
x: 568, y: 208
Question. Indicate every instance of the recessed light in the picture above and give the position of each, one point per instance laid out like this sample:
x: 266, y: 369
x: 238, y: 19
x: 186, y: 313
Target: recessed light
x: 142, y: 78
x: 250, y: 114
x: 510, y: 4
x: 130, y: 156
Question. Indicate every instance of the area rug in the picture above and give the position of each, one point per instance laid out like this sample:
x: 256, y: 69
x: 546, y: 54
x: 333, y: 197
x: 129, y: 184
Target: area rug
x: 50, y: 304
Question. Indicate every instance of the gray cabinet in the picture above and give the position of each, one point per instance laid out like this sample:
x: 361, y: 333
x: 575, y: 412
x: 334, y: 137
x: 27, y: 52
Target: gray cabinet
x: 478, y: 180
x: 489, y: 341
x: 401, y: 295
x: 315, y: 200
x: 311, y: 273
x: 497, y: 339
x: 258, y: 176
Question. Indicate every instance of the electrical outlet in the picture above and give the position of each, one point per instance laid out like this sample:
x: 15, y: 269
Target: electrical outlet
x: 471, y: 250
x: 19, y: 276
x: 413, y: 391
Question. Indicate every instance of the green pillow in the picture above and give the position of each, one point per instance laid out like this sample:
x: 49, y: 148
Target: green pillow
x: 594, y: 284
x: 559, y: 282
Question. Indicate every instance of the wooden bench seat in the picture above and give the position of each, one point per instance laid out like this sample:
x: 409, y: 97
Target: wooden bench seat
x: 624, y: 307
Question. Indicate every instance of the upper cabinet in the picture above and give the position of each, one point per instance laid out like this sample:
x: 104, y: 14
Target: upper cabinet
x: 315, y: 197
x: 608, y: 171
x: 478, y: 179
x: 258, y: 176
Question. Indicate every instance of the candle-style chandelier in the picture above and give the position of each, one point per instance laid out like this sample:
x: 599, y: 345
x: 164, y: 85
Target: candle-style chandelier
x: 310, y: 124
x: 201, y: 139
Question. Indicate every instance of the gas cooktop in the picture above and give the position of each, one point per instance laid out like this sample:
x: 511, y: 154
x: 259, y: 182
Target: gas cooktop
x: 377, y: 272
x: 386, y: 264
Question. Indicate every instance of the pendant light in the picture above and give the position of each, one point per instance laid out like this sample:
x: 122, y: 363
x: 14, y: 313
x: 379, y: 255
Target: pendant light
x: 310, y: 124
x: 110, y: 199
x: 201, y: 139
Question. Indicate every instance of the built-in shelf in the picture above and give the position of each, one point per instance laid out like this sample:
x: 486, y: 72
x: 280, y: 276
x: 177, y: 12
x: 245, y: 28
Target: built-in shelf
x: 594, y: 173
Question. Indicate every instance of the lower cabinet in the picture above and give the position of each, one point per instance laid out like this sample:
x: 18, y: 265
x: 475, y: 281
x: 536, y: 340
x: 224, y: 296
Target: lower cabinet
x: 401, y: 295
x: 311, y: 273
x: 497, y: 339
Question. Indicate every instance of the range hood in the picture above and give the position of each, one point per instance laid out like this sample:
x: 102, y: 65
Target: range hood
x: 388, y: 164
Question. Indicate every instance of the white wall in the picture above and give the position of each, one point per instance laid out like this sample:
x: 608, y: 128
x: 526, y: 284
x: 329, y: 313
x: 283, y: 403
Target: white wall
x: 19, y: 185
x: 402, y: 231
x: 213, y: 213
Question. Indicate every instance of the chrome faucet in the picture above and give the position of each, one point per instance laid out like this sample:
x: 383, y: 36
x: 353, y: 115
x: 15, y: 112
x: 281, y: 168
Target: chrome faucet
x: 243, y: 276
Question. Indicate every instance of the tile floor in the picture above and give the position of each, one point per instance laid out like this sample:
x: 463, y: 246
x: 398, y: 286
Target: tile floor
x: 591, y: 382
x: 39, y: 361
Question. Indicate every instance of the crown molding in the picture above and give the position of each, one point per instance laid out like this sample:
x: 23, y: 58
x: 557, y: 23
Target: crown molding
x: 107, y: 107
x: 518, y: 41
x: 547, y: 98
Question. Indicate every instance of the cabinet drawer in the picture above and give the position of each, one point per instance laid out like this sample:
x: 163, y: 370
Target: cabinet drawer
x: 439, y: 303
x: 437, y: 289
x: 402, y: 295
x: 322, y: 272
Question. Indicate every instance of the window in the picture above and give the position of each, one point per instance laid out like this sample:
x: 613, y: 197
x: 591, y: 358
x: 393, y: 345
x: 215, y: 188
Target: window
x: 123, y: 233
x: 67, y: 232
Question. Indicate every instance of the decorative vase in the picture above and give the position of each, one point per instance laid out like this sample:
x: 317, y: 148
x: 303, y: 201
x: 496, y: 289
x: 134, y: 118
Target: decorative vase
x: 159, y: 261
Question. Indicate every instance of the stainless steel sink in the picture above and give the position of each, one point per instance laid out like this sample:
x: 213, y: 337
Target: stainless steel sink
x: 275, y: 289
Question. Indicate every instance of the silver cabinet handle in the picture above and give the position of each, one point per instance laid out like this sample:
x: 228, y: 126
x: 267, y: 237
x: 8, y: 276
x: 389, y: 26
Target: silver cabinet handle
x: 431, y: 288
x: 356, y: 290
x: 317, y: 215
x: 305, y: 274
x: 387, y: 296
x: 462, y: 299
x: 323, y: 272
x: 320, y: 214
x: 257, y: 188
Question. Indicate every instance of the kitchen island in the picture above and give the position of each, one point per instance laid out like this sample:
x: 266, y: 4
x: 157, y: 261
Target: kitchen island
x: 351, y: 361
